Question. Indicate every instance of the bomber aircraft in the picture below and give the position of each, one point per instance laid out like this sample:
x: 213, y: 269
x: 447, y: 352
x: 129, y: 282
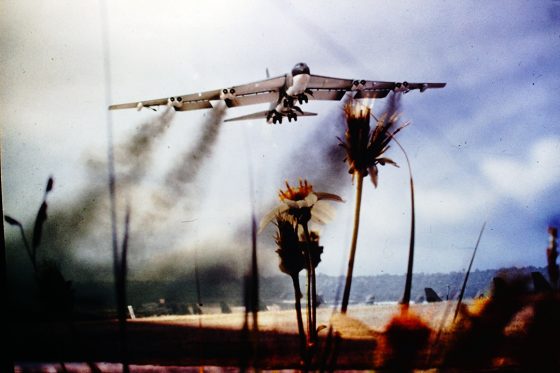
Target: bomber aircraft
x: 284, y: 93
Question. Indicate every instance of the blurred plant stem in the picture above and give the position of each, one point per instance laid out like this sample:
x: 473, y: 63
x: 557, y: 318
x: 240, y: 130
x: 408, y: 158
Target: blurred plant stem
x: 301, y: 330
x: 359, y: 177
x: 311, y: 287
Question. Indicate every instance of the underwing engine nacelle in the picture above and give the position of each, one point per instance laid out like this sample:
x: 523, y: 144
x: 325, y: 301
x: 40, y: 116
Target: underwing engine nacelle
x: 401, y: 87
x: 358, y: 85
x: 227, y: 94
x: 176, y: 102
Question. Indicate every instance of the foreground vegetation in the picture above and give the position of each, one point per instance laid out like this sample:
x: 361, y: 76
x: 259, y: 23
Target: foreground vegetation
x: 509, y: 333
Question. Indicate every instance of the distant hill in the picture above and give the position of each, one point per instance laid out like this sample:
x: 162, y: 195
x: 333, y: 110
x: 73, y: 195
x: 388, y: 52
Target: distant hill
x: 388, y: 287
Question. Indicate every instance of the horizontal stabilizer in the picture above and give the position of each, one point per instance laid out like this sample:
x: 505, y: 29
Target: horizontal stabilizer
x: 259, y: 115
x: 262, y: 115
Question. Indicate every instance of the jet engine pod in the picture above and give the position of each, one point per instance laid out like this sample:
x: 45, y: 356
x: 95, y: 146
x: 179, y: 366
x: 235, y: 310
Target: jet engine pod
x: 358, y: 84
x: 176, y: 102
x: 227, y: 93
x: 401, y: 87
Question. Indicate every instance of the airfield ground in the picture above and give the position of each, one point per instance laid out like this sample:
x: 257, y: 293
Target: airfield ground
x: 218, y: 339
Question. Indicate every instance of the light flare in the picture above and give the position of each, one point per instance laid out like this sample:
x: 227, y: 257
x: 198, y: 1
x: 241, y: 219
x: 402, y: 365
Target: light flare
x: 357, y: 110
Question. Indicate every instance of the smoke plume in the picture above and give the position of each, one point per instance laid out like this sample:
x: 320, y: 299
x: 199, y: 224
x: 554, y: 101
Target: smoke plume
x: 134, y: 156
x: 191, y: 161
x: 320, y: 159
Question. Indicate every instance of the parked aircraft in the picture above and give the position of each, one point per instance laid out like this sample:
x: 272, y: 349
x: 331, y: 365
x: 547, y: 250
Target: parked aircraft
x: 431, y: 295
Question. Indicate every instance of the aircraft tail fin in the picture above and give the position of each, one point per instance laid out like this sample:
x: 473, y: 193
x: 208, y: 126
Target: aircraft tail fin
x: 431, y: 295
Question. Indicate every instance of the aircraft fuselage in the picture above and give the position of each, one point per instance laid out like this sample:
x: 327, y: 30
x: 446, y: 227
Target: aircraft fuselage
x: 294, y: 91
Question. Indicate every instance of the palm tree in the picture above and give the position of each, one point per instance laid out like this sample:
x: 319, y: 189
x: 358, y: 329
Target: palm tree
x: 365, y: 150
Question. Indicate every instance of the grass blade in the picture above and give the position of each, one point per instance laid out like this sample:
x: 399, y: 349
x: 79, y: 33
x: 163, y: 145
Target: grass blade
x: 38, y: 230
x: 462, y: 293
x: 408, y: 283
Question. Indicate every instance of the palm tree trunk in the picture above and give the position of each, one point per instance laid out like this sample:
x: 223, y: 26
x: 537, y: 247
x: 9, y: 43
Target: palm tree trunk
x: 408, y: 283
x: 346, y: 296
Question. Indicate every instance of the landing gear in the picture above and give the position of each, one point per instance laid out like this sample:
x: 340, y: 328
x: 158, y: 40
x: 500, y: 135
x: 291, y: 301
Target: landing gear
x: 274, y: 117
x: 302, y: 98
x: 298, y: 109
x: 292, y: 116
x: 288, y: 102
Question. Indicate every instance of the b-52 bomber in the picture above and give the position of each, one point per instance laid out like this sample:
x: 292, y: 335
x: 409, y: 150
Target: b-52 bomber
x: 284, y: 93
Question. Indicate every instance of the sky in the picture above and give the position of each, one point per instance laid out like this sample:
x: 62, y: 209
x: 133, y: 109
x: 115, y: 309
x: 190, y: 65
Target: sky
x: 483, y: 149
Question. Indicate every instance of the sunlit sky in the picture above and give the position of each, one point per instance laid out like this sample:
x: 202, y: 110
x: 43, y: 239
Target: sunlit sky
x: 483, y: 149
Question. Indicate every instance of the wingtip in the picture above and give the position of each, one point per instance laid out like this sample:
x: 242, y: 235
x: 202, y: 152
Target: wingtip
x: 115, y: 106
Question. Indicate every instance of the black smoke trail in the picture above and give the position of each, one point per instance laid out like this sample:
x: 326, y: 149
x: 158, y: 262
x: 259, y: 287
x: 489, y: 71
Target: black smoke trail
x: 319, y: 158
x: 191, y: 161
x: 134, y: 156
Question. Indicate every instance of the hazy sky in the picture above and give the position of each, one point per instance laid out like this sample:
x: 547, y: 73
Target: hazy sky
x: 485, y: 148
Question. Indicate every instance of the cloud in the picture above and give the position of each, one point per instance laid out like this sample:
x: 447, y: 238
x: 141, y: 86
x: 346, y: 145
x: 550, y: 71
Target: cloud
x: 451, y: 206
x: 525, y: 178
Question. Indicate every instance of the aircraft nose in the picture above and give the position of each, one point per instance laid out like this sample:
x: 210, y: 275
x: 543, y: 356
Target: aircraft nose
x: 300, y: 68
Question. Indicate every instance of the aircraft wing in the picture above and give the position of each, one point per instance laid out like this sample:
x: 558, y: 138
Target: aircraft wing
x: 246, y: 94
x: 328, y: 88
x: 180, y: 103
